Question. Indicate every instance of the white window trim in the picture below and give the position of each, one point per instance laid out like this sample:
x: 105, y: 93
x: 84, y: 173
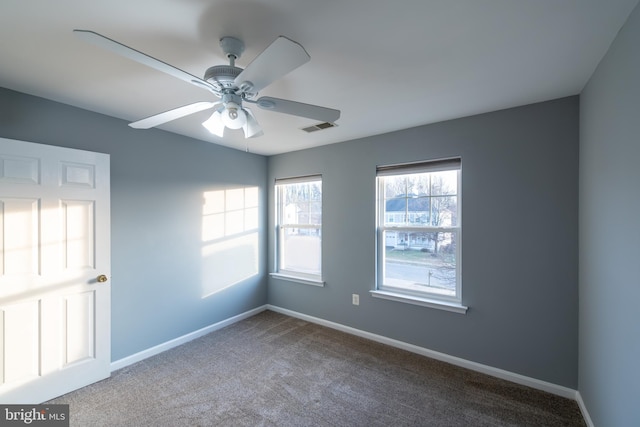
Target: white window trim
x: 298, y: 279
x: 425, y: 302
x: 426, y: 299
x: 284, y: 274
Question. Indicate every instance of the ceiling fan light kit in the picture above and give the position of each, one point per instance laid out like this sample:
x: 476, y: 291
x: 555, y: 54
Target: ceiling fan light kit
x: 214, y: 124
x: 232, y: 85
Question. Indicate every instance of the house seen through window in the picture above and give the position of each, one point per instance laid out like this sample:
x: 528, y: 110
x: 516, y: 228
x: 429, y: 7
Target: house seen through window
x: 418, y: 230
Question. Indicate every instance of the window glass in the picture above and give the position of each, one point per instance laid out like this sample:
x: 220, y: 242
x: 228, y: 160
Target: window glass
x: 299, y: 224
x: 419, y: 230
x: 301, y: 250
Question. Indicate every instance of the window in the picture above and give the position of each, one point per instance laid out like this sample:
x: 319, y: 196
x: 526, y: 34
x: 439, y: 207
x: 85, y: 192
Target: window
x: 299, y: 229
x: 419, y: 232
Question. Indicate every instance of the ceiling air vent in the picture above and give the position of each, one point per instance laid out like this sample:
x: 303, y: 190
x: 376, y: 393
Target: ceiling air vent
x: 319, y: 126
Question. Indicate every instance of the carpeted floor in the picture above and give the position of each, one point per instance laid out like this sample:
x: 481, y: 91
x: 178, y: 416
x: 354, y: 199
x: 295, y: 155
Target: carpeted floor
x: 275, y: 370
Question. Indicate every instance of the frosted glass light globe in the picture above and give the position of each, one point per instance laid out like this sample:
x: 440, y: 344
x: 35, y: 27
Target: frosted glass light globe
x: 233, y: 116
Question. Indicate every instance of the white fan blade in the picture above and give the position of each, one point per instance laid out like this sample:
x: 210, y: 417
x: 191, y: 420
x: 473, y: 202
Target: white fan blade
x: 278, y: 59
x: 142, y: 58
x: 251, y: 128
x: 174, y: 114
x: 300, y: 109
x: 214, y: 124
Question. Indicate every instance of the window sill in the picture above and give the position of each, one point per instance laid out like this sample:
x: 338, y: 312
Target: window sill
x: 425, y: 302
x: 303, y: 280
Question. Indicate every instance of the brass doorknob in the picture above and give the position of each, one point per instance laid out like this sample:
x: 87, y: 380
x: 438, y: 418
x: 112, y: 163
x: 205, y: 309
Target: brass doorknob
x: 102, y: 278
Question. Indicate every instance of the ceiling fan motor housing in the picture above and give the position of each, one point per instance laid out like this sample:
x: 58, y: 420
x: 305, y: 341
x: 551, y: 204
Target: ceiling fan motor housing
x: 222, y: 76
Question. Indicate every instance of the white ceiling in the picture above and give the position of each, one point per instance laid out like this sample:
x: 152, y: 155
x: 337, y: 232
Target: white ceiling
x: 387, y: 65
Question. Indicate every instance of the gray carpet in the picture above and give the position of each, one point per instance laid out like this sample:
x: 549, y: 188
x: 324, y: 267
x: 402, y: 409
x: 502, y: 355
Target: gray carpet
x: 274, y: 370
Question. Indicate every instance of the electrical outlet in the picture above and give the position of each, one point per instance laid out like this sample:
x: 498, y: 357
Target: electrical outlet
x: 355, y: 299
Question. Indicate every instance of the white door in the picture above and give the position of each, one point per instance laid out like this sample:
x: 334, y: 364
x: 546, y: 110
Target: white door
x: 54, y: 270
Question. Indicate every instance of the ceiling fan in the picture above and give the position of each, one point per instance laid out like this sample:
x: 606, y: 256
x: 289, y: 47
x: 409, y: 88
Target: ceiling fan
x: 233, y: 86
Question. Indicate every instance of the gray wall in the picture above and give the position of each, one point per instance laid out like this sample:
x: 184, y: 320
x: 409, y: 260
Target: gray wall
x: 520, y: 238
x: 160, y: 275
x: 610, y: 234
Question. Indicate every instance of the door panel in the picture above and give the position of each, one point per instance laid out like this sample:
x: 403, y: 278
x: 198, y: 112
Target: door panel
x: 54, y: 236
x: 79, y: 334
x: 78, y: 238
x: 20, y: 233
x: 20, y: 344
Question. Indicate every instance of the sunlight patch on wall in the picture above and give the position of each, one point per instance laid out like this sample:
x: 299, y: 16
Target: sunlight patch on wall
x: 230, y: 221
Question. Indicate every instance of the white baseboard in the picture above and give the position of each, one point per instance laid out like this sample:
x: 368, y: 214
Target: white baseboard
x: 130, y: 360
x: 583, y: 409
x: 478, y: 367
